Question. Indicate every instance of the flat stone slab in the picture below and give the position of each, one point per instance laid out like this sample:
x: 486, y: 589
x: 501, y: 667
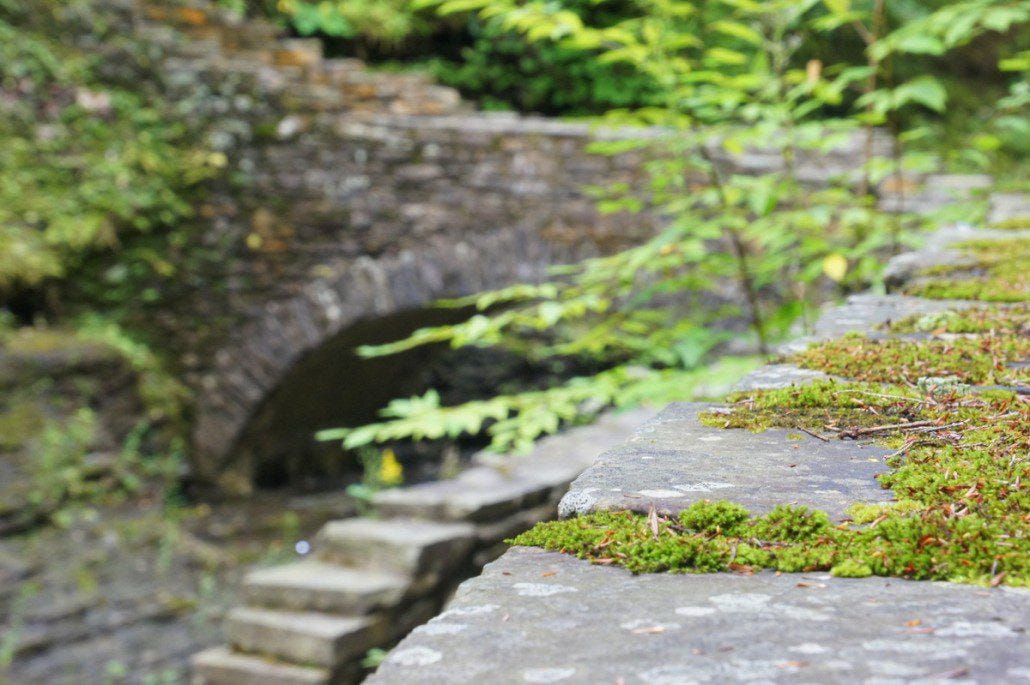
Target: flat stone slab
x: 407, y: 547
x: 673, y: 461
x: 940, y: 249
x: 865, y: 313
x: 301, y: 637
x: 543, y: 617
x: 312, y: 585
x: 221, y: 666
x: 772, y: 376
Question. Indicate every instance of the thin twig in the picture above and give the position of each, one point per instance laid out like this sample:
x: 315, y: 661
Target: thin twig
x: 856, y: 432
x: 814, y: 435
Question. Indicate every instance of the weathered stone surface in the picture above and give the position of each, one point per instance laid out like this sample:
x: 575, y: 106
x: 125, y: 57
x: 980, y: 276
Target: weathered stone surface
x: 867, y: 312
x: 773, y: 376
x: 302, y: 637
x: 673, y: 461
x: 398, y: 545
x: 311, y: 585
x: 1006, y: 206
x: 478, y: 494
x: 220, y: 666
x: 541, y: 617
x: 939, y: 249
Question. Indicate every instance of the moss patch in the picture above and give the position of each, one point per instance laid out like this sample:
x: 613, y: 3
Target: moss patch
x: 1016, y: 223
x: 959, y: 473
x: 1013, y: 319
x: 981, y: 360
x: 999, y: 272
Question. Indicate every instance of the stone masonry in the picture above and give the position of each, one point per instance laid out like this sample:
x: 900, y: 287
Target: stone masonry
x: 542, y: 617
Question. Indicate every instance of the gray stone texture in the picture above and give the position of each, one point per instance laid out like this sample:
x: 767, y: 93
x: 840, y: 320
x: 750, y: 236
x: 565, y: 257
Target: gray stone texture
x: 401, y: 546
x: 673, y: 461
x: 542, y: 617
x: 302, y: 637
x: 311, y: 585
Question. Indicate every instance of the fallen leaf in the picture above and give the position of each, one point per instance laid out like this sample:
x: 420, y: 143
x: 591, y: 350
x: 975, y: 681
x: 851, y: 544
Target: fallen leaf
x: 793, y: 664
x: 548, y: 574
x: 913, y: 623
x: 649, y: 630
x: 652, y: 521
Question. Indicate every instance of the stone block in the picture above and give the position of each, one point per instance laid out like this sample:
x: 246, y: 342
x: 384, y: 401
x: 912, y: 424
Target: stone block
x: 403, y: 546
x: 478, y: 494
x: 302, y: 637
x: 222, y: 666
x: 311, y: 585
x: 542, y: 617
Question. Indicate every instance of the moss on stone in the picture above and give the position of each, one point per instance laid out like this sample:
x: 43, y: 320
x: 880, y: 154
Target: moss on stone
x: 999, y: 271
x: 980, y: 359
x: 959, y: 477
x: 1015, y: 223
x: 1013, y: 319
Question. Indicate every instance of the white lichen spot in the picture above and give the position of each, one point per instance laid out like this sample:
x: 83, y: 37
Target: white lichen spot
x: 741, y: 601
x: 703, y: 486
x: 893, y: 668
x: 469, y: 611
x: 645, y: 625
x: 660, y: 494
x: 547, y: 675
x: 695, y: 612
x: 799, y: 613
x: 670, y: 675
x: 440, y: 628
x: 541, y: 589
x: 414, y: 656
x: 939, y: 649
x: 977, y: 629
x: 710, y: 438
x: 809, y: 648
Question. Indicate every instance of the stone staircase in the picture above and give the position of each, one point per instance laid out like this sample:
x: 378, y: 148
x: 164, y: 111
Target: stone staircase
x: 370, y: 581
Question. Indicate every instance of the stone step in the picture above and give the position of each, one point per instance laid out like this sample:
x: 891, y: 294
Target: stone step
x: 478, y: 494
x: 312, y: 585
x: 414, y: 548
x: 222, y: 666
x: 302, y: 637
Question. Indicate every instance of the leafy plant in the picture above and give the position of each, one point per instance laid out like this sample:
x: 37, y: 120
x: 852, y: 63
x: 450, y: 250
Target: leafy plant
x: 737, y: 249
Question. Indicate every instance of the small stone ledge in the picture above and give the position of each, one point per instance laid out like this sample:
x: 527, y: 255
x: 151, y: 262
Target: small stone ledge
x: 673, y: 461
x: 543, y: 617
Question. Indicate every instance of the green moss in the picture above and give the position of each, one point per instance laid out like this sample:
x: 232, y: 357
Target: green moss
x: 960, y: 513
x: 1016, y: 223
x: 20, y: 421
x: 851, y: 568
x: 719, y: 517
x: 997, y: 318
x: 999, y: 272
x: 979, y: 360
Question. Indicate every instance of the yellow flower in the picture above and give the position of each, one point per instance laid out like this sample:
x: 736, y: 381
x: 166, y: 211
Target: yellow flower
x: 390, y: 470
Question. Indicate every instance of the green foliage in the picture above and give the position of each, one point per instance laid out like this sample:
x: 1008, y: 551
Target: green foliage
x: 84, y: 165
x: 728, y: 84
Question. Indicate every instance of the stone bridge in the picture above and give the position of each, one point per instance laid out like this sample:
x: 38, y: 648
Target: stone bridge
x: 366, y: 194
